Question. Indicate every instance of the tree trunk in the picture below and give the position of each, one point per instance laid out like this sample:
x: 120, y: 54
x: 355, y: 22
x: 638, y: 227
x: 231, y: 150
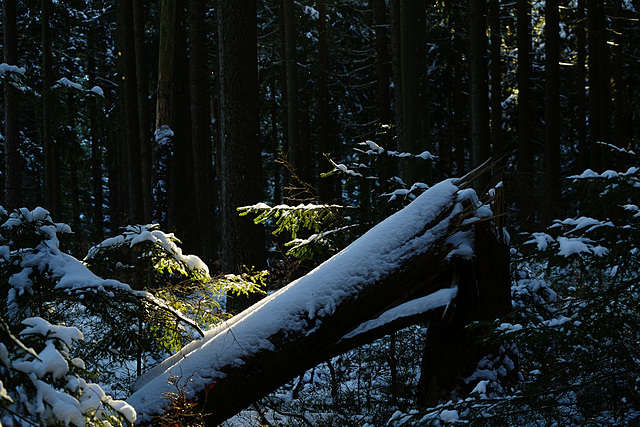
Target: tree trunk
x: 130, y: 114
x: 200, y: 130
x: 326, y: 185
x: 480, y: 131
x: 242, y: 242
x: 415, y: 88
x: 144, y: 114
x: 363, y: 293
x: 581, y: 93
x: 496, y: 83
x: 383, y: 77
x: 525, y: 189
x: 51, y: 150
x: 599, y: 85
x: 552, y: 113
x: 12, y: 158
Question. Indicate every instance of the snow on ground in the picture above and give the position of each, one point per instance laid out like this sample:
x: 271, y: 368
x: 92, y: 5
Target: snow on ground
x: 371, y: 257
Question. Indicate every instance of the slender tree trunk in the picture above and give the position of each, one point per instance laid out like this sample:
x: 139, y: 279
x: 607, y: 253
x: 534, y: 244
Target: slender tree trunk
x: 383, y: 74
x: 242, y: 241
x: 552, y: 112
x: 525, y: 144
x: 415, y: 88
x: 480, y: 131
x: 396, y: 66
x: 620, y: 98
x: 130, y: 113
x: 326, y: 185
x: 12, y: 158
x: 144, y: 114
x: 288, y: 28
x: 182, y: 197
x: 496, y: 81
x: 164, y: 134
x: 599, y: 85
x: 200, y: 128
x: 581, y: 93
x: 51, y: 150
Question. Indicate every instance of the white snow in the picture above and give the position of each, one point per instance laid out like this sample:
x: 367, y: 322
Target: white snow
x: 438, y: 299
x: 6, y: 68
x: 374, y: 255
x: 97, y: 90
x: 449, y: 415
x: 542, y: 240
x: 68, y: 83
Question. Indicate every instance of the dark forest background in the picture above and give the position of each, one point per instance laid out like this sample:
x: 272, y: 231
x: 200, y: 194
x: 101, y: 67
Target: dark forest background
x: 178, y: 112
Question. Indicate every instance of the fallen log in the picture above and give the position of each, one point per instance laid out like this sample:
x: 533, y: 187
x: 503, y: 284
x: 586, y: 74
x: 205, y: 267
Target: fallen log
x: 398, y: 273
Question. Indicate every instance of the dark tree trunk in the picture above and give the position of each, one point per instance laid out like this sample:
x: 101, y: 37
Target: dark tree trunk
x: 182, y: 203
x: 200, y: 130
x: 131, y: 128
x: 326, y: 185
x: 383, y: 77
x: 295, y: 142
x: 552, y: 113
x: 51, y: 150
x: 452, y: 350
x: 581, y: 93
x: 396, y: 66
x: 12, y: 158
x: 144, y: 113
x: 525, y: 186
x: 415, y: 88
x: 480, y: 131
x: 241, y: 166
x: 599, y: 85
x: 496, y: 82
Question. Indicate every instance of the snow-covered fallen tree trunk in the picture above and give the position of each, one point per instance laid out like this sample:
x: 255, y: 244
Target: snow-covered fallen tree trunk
x: 398, y: 273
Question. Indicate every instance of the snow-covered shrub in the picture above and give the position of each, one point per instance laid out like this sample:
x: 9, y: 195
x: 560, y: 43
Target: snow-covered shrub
x: 38, y: 278
x: 573, y: 333
x: 40, y: 384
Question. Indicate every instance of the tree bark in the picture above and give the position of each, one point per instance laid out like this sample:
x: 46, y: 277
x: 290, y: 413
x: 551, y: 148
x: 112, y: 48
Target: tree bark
x: 480, y: 131
x: 496, y: 82
x: 599, y: 85
x: 415, y: 88
x: 581, y: 93
x: 131, y: 125
x: 242, y: 242
x: 526, y: 201
x: 12, y: 158
x: 200, y: 130
x: 51, y: 150
x: 552, y: 113
x: 144, y: 113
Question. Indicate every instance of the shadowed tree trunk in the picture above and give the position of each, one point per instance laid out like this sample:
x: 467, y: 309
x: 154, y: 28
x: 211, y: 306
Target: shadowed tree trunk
x: 52, y: 187
x: 599, y: 85
x: 480, y: 132
x: 131, y: 128
x: 496, y: 83
x: 551, y: 208
x: 12, y: 159
x: 525, y: 186
x: 200, y: 129
x: 415, y: 88
x: 144, y: 113
x: 242, y: 242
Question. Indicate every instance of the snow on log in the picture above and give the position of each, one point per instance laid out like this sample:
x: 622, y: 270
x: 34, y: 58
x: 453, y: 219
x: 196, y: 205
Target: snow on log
x: 394, y: 275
